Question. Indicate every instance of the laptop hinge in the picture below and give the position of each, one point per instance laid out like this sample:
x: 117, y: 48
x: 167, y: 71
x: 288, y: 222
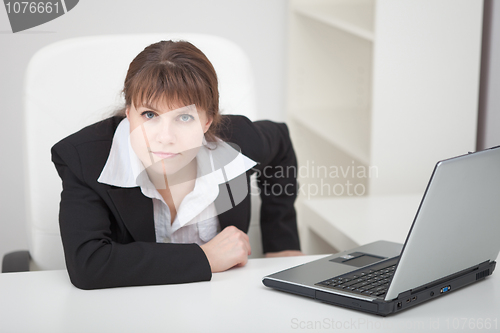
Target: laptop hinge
x: 484, y: 266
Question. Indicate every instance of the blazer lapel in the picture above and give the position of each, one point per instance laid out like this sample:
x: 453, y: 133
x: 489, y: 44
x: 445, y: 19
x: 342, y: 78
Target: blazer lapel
x: 136, y: 212
x: 233, y: 204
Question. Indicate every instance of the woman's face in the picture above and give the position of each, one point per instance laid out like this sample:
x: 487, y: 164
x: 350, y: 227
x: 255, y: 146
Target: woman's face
x: 164, y: 139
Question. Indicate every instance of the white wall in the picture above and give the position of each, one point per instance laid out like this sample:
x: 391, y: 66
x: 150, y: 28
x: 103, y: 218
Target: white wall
x: 258, y: 26
x: 489, y: 105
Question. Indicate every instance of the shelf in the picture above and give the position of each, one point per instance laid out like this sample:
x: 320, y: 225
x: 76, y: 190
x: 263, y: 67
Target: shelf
x: 353, y: 16
x: 347, y: 129
x: 351, y: 100
x: 347, y: 222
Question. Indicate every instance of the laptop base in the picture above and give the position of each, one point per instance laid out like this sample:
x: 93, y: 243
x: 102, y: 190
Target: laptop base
x: 404, y: 301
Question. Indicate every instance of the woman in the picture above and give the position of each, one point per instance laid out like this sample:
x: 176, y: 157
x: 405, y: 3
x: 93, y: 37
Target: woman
x: 159, y: 193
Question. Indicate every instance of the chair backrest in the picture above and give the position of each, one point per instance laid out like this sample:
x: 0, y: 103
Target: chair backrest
x: 76, y: 82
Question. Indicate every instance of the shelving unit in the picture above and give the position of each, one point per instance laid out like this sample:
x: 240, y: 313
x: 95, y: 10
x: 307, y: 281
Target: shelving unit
x: 383, y: 87
x: 354, y: 17
x: 348, y: 131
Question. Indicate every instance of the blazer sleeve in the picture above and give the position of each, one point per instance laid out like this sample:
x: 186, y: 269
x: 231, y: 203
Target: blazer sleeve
x: 93, y: 258
x: 269, y: 144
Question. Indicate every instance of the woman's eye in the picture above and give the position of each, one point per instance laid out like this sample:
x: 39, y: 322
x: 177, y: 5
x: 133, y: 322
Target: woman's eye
x: 185, y: 117
x: 148, y: 114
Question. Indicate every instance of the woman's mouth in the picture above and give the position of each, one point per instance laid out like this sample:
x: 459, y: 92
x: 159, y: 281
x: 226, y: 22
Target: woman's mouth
x: 163, y: 155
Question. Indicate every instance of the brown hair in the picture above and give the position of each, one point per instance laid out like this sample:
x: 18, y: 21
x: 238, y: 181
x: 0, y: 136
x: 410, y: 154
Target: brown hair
x: 176, y: 73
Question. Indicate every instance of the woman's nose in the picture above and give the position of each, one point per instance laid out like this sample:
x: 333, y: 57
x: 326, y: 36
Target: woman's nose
x: 166, y: 133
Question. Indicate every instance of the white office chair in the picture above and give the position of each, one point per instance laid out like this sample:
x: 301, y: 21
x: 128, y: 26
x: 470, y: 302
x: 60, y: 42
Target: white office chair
x: 76, y: 82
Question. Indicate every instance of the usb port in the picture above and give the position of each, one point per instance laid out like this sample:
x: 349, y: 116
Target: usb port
x: 445, y: 289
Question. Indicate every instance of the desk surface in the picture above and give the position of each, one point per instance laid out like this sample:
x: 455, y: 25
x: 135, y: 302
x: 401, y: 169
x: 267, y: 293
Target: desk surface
x: 234, y: 301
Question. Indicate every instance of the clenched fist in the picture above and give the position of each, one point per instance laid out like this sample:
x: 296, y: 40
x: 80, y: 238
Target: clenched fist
x: 229, y: 248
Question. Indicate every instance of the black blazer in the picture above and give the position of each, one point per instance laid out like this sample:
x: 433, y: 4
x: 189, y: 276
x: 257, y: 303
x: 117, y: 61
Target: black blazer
x: 108, y: 232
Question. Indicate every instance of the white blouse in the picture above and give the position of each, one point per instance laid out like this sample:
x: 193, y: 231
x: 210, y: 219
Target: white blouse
x: 196, y: 220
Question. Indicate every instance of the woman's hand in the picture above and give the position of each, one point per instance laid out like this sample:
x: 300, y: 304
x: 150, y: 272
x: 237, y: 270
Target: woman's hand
x: 229, y: 248
x: 287, y: 253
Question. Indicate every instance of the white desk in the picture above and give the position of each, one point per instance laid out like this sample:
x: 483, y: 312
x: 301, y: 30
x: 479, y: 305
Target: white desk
x: 234, y: 301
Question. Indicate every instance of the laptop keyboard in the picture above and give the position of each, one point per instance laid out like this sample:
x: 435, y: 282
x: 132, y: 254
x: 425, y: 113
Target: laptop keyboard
x: 371, y: 281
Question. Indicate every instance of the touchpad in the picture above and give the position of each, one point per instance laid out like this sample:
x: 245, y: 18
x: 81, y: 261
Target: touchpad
x: 358, y: 259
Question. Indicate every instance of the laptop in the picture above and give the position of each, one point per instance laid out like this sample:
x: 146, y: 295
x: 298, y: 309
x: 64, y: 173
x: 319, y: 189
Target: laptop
x: 453, y: 242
